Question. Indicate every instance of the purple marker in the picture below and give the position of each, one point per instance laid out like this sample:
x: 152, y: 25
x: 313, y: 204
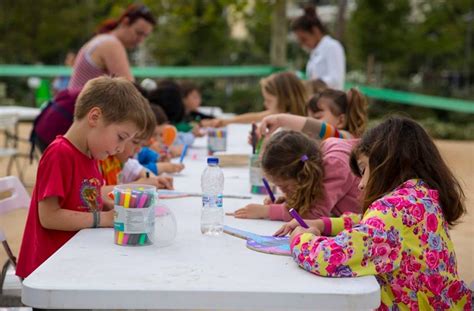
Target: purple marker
x: 269, y: 190
x: 298, y: 218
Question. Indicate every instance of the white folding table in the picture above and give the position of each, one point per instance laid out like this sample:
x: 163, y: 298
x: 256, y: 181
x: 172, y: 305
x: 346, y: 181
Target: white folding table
x: 196, y: 271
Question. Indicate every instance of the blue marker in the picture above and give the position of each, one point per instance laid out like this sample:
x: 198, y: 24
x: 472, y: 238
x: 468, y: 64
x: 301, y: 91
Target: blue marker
x: 185, y: 149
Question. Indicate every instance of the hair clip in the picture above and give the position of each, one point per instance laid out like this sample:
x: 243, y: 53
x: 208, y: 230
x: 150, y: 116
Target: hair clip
x: 304, y: 158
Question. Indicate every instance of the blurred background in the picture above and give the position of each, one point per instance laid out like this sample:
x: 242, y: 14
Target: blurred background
x: 420, y: 46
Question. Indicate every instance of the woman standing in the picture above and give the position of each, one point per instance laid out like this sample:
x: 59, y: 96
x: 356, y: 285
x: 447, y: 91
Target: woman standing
x: 327, y: 61
x: 106, y: 52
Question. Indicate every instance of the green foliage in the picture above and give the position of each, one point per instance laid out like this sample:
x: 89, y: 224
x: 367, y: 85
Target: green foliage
x: 44, y: 30
x: 381, y: 29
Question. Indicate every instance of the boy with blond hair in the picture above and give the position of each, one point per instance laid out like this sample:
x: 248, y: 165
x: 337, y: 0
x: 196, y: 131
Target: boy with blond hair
x: 109, y: 112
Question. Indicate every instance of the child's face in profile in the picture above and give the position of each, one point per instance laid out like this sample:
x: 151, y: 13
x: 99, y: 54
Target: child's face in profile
x: 326, y: 115
x: 287, y: 186
x: 158, y: 132
x: 132, y: 147
x: 270, y: 101
x: 109, y: 139
x: 363, y: 163
x: 192, y: 101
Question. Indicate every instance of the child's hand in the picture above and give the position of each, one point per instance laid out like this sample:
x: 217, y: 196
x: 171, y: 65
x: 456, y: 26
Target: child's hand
x: 279, y: 200
x: 164, y: 182
x: 290, y: 226
x: 252, y: 211
x: 213, y: 123
x: 198, y: 131
x: 161, y: 182
x: 301, y: 230
x: 268, y: 125
x: 107, y: 219
x: 170, y: 167
x: 287, y: 228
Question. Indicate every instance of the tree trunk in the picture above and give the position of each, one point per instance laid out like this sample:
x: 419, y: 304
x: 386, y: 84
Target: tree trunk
x: 341, y: 20
x: 279, y: 34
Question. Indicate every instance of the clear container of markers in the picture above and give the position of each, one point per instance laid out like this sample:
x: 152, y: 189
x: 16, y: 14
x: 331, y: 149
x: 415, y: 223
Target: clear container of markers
x: 134, y: 220
x: 256, y: 176
x: 216, y: 139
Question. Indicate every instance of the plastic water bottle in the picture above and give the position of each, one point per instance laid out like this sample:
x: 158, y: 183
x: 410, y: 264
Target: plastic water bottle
x: 212, y: 185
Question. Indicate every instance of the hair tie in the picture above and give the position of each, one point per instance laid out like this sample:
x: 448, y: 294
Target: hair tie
x: 304, y: 158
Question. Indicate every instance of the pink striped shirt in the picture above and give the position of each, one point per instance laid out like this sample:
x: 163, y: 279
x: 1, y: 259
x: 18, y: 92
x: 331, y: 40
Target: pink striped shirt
x: 85, y: 68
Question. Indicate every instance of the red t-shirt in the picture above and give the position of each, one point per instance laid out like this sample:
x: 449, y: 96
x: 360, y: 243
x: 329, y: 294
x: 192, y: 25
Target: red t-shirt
x: 66, y: 173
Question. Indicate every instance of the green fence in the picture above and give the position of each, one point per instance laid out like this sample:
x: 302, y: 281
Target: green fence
x: 147, y: 72
x: 389, y: 95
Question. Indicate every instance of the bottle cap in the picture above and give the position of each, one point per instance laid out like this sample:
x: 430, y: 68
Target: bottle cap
x: 213, y: 160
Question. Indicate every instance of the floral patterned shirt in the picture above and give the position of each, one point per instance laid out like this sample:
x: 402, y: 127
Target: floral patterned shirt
x: 403, y: 240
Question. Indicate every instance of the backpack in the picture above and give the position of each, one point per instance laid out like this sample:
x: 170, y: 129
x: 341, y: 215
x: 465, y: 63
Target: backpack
x: 55, y: 119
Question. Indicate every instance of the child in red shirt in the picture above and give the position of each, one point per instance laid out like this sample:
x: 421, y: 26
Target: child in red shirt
x: 109, y: 112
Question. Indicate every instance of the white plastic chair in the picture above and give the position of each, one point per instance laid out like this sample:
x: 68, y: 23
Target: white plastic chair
x: 8, y: 124
x: 10, y: 284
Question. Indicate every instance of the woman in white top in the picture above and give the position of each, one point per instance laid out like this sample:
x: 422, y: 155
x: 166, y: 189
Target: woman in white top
x: 106, y: 52
x: 327, y: 60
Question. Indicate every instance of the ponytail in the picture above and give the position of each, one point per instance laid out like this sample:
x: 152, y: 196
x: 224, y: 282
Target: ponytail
x: 308, y: 21
x: 107, y: 26
x: 133, y: 13
x: 356, y: 114
x: 310, y: 185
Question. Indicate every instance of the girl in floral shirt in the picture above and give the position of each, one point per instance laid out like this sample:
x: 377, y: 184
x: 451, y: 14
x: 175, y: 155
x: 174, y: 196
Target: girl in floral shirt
x: 411, y: 198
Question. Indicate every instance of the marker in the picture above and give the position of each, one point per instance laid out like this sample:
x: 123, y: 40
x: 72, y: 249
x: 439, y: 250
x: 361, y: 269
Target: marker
x: 254, y: 137
x: 185, y: 149
x: 142, y: 201
x: 126, y: 201
x: 298, y: 218
x: 269, y: 190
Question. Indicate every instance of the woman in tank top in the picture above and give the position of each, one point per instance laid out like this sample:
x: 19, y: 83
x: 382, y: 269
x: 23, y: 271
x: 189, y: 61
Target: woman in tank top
x: 106, y: 52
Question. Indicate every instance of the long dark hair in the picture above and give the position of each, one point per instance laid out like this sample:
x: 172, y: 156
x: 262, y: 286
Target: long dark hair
x: 308, y: 20
x: 282, y: 159
x: 399, y: 149
x: 133, y: 13
x: 353, y: 104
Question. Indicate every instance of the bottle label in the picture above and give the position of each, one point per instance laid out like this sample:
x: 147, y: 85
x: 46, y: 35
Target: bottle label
x: 212, y: 201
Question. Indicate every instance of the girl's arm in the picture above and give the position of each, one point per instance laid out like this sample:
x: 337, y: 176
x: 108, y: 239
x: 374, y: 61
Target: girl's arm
x: 312, y: 127
x: 249, y: 117
x: 271, y: 123
x: 320, y: 129
x: 114, y: 57
x: 53, y: 217
x: 353, y: 252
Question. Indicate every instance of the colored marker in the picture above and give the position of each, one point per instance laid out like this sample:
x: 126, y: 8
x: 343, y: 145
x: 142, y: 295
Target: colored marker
x: 269, y: 190
x: 125, y: 238
x: 185, y: 149
x: 120, y: 238
x: 142, y: 239
x: 126, y: 201
x: 298, y: 218
x: 142, y: 201
x: 254, y: 137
